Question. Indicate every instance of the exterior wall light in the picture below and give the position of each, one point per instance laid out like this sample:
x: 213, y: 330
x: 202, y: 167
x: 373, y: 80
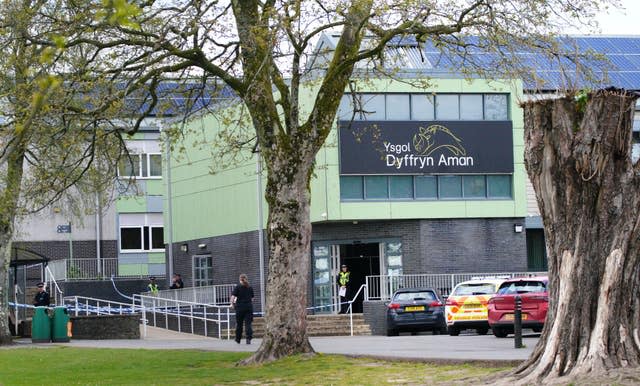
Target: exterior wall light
x: 184, y: 247
x: 202, y: 246
x: 517, y: 228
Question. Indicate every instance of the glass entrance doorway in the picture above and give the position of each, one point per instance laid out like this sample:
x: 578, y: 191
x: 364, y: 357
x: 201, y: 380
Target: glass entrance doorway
x: 364, y: 258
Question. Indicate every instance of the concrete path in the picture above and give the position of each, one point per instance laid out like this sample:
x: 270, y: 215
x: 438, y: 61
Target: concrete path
x: 468, y: 347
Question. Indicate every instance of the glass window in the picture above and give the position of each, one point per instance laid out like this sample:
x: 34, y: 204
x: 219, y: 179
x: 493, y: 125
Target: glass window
x: 130, y: 166
x: 495, y: 107
x: 450, y: 186
x: 426, y: 186
x: 373, y: 107
x: 398, y: 107
x: 157, y: 238
x: 145, y: 165
x: 447, y: 107
x: 131, y: 238
x: 155, y: 165
x: 351, y: 188
x: 376, y: 187
x: 401, y: 186
x: 471, y: 107
x: 499, y: 186
x: 345, y: 110
x: 474, y: 187
x: 202, y: 270
x: 422, y: 107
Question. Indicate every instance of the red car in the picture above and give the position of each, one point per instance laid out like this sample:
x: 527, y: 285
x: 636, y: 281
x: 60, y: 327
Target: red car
x: 535, y: 302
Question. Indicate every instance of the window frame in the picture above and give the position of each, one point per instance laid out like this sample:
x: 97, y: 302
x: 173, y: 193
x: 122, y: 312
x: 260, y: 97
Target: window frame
x: 144, y: 168
x: 149, y: 238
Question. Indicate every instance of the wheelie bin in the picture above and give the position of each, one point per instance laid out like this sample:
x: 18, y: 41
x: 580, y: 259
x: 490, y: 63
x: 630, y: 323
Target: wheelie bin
x: 60, y: 331
x: 41, y: 326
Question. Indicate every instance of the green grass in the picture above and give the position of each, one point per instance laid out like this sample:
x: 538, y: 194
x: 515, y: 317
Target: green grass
x: 83, y: 366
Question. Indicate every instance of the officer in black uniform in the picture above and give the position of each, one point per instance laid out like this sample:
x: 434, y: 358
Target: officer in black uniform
x: 42, y: 297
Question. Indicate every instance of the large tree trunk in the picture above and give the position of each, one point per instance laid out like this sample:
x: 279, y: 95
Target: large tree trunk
x: 289, y: 231
x: 578, y: 156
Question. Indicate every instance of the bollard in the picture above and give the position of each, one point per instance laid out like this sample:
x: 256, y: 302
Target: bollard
x: 517, y: 322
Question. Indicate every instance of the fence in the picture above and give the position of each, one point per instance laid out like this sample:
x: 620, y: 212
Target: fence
x: 93, y: 269
x: 381, y: 287
x: 213, y: 294
x: 171, y: 314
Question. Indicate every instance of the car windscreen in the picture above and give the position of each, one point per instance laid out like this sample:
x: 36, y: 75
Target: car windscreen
x: 474, y: 289
x: 521, y: 287
x: 410, y: 296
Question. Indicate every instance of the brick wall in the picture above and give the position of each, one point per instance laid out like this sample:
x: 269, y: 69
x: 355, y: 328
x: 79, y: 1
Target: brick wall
x: 56, y: 250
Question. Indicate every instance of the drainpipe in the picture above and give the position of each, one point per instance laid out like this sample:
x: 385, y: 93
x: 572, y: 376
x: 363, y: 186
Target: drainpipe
x: 98, y: 235
x: 169, y: 211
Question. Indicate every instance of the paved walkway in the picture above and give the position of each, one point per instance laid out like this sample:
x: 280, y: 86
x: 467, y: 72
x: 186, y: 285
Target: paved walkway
x: 420, y: 347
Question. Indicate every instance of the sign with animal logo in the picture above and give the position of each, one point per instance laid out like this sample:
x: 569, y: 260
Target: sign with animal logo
x: 410, y: 147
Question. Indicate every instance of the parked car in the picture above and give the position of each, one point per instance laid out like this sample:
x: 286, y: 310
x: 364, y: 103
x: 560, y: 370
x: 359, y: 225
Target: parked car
x: 466, y: 306
x: 415, y: 309
x: 535, y: 303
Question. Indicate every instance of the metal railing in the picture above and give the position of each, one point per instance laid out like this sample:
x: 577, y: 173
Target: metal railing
x: 53, y: 287
x: 219, y: 294
x: 163, y: 313
x: 381, y: 287
x: 93, y: 269
x: 183, y: 316
x: 362, y: 287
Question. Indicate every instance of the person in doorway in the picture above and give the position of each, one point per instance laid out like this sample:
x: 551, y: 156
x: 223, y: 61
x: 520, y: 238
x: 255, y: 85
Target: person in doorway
x: 176, y: 281
x: 152, y: 286
x: 242, y: 302
x: 42, y: 297
x: 344, y: 278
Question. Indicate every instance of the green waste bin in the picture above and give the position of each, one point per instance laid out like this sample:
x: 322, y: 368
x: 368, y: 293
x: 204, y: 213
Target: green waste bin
x: 41, y: 326
x: 60, y: 331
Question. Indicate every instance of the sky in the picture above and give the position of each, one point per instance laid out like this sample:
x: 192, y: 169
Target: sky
x: 621, y: 22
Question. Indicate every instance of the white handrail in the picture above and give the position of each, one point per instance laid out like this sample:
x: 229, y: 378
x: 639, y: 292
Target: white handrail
x: 351, y: 306
x: 57, y: 295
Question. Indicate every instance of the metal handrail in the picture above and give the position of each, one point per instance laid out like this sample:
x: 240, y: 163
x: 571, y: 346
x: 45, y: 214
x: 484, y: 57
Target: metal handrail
x: 351, y: 305
x: 170, y: 307
x: 58, y: 294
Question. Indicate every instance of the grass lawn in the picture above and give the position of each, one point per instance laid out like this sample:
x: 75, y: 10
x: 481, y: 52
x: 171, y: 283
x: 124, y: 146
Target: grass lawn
x: 84, y: 366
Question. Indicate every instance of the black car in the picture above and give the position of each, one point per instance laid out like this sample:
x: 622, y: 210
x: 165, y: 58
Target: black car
x: 415, y: 309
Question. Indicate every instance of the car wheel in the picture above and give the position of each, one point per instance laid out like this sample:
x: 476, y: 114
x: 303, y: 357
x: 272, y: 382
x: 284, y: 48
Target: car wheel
x: 454, y: 331
x: 499, y: 332
x: 482, y: 331
x: 392, y: 332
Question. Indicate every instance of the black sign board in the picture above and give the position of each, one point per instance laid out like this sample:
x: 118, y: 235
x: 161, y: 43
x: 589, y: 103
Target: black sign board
x: 434, y: 147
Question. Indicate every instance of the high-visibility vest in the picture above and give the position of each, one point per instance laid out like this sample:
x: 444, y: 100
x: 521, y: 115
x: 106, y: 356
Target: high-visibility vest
x: 344, y: 278
x: 153, y: 288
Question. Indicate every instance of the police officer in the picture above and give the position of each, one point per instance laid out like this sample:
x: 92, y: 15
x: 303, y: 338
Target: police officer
x: 42, y: 297
x: 344, y: 277
x: 152, y: 286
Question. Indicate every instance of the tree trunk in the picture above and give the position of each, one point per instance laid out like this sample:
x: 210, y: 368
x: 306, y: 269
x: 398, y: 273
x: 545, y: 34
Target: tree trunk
x: 289, y: 230
x: 578, y: 157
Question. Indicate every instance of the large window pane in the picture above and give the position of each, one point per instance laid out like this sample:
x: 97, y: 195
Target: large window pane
x: 447, y: 107
x: 130, y: 166
x: 422, y: 108
x: 373, y: 106
x: 471, y: 107
x: 130, y: 238
x: 398, y: 107
x: 375, y: 187
x: 499, y: 186
x: 345, y: 110
x: 157, y: 238
x: 351, y: 188
x: 155, y: 165
x: 474, y: 187
x: 401, y: 186
x: 426, y: 187
x: 495, y: 107
x: 450, y: 186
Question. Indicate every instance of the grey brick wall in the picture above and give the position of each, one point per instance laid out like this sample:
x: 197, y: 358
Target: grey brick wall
x: 56, y: 250
x: 375, y: 314
x: 429, y: 246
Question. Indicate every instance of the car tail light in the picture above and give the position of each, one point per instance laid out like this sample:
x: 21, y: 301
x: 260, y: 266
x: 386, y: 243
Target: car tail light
x: 435, y: 304
x: 394, y: 306
x: 451, y: 303
x: 540, y: 297
x: 493, y: 300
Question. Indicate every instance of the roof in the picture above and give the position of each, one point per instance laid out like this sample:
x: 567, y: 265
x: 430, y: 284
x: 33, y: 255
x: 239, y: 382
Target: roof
x: 21, y: 256
x: 620, y: 69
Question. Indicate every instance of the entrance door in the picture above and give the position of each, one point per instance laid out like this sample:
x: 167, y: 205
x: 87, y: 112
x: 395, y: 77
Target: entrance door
x: 363, y: 259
